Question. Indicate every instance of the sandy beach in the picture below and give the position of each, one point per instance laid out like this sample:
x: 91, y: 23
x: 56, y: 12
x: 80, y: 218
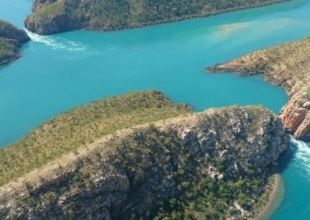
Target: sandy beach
x: 275, y: 198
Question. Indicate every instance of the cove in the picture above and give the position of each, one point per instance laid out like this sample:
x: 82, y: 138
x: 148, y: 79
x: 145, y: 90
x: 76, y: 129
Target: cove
x: 62, y: 71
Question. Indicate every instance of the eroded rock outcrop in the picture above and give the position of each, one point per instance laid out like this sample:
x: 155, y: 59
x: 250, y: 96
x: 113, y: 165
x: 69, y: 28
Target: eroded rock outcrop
x: 286, y: 65
x: 52, y: 16
x: 206, y: 165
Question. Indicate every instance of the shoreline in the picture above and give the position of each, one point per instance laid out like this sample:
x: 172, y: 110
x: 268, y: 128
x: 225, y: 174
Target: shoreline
x: 275, y: 198
x: 159, y: 22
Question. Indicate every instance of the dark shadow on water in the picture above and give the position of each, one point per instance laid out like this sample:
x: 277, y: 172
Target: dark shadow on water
x: 286, y: 157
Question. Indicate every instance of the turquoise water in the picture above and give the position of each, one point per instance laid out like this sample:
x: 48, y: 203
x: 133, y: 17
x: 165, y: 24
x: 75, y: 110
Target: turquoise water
x: 62, y: 71
x: 296, y: 176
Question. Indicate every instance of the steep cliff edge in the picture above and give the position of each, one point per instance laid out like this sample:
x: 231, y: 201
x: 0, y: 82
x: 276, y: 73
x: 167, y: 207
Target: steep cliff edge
x: 52, y: 16
x: 287, y: 65
x: 212, y: 165
x: 11, y: 40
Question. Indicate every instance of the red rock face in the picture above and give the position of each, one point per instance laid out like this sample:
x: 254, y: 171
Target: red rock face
x: 296, y: 120
x: 304, y: 129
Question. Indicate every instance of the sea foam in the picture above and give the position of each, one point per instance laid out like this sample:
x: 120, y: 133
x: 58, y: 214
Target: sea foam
x: 302, y: 154
x: 56, y: 43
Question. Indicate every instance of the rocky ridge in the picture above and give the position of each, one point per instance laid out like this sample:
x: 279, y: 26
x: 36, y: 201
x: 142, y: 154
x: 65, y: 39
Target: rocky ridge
x: 286, y: 65
x: 81, y: 126
x: 53, y: 16
x: 157, y: 171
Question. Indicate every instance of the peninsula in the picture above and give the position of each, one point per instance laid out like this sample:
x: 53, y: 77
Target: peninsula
x: 286, y: 65
x: 11, y: 39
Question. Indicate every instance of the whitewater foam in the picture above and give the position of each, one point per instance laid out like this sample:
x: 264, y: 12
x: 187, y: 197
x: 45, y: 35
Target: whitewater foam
x: 302, y: 154
x: 56, y: 43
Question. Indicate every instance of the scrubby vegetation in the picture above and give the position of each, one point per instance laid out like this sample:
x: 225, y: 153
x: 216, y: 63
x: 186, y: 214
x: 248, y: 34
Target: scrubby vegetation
x: 287, y: 65
x: 211, y: 165
x: 10, y: 41
x: 56, y: 16
x: 80, y: 127
x: 8, y: 51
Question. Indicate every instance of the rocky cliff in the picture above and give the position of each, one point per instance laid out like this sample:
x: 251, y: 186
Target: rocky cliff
x: 286, y: 65
x: 52, y: 16
x: 210, y: 165
x: 11, y: 40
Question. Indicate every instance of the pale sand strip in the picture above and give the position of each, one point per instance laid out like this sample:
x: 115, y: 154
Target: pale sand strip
x: 275, y: 198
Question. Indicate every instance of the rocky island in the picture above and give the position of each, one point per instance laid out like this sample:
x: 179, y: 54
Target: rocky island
x: 11, y: 39
x: 140, y: 156
x: 53, y: 16
x: 286, y: 65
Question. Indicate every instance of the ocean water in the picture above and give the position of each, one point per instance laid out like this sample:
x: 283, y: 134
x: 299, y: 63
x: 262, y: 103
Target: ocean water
x: 296, y: 176
x: 59, y: 72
